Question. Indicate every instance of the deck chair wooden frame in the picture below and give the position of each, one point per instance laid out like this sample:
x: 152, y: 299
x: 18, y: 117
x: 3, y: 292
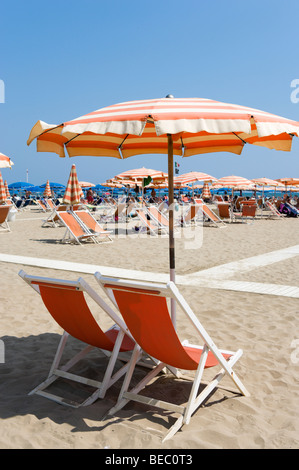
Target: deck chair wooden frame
x: 4, y: 211
x: 209, y: 214
x: 143, y: 306
x: 88, y: 222
x: 66, y: 302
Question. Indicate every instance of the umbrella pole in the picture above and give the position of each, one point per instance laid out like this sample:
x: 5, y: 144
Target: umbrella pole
x: 171, y: 235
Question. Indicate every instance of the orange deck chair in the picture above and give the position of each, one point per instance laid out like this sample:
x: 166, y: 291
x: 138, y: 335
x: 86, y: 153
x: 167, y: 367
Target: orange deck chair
x: 150, y: 224
x: 4, y: 210
x: 75, y: 232
x: 225, y: 212
x: 209, y: 215
x: 65, y: 301
x: 92, y: 225
x: 144, y: 308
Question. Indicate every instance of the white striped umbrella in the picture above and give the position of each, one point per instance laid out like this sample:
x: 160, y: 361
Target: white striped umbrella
x: 206, y: 194
x: 47, y: 191
x: 5, y: 162
x: 235, y: 182
x: 192, y: 177
x: 266, y: 182
x: 86, y: 184
x: 3, y: 196
x: 6, y: 189
x: 186, y: 126
x: 73, y: 192
x: 141, y: 173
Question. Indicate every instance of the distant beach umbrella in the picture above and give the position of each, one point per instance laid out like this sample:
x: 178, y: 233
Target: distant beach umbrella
x: 266, y: 182
x: 3, y: 196
x: 6, y: 189
x: 142, y: 173
x: 206, y: 194
x: 73, y: 192
x: 5, y: 162
x: 47, y: 191
x: 235, y: 182
x: 86, y: 184
x: 192, y: 177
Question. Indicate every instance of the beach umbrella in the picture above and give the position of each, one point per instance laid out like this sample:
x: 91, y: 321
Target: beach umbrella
x: 5, y: 162
x: 192, y: 177
x: 73, y: 192
x: 3, y: 196
x: 266, y: 182
x: 85, y: 184
x: 20, y: 185
x: 185, y: 126
x: 206, y: 194
x: 47, y: 191
x: 235, y: 182
x: 6, y: 189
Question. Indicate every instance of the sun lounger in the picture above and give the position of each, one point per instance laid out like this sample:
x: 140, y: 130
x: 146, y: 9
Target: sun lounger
x: 4, y: 210
x: 248, y: 211
x: 210, y: 215
x: 225, y: 212
x: 43, y: 206
x: 149, y: 223
x: 75, y: 232
x: 274, y: 211
x: 66, y: 302
x: 190, y: 215
x: 88, y: 221
x: 159, y: 218
x: 143, y: 306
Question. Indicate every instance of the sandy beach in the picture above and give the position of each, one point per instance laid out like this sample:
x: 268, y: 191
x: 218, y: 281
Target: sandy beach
x: 264, y: 325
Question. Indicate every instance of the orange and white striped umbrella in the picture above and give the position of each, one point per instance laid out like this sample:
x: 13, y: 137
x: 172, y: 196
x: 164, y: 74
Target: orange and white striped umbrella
x: 141, y: 173
x: 185, y: 126
x: 47, y: 191
x: 86, y: 184
x: 73, y: 192
x: 288, y: 181
x: 5, y: 162
x: 206, y: 194
x: 266, y: 182
x: 197, y: 125
x: 192, y: 177
x: 6, y: 189
x: 235, y: 182
x: 3, y: 196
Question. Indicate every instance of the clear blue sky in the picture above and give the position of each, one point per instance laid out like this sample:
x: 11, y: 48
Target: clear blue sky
x: 62, y: 59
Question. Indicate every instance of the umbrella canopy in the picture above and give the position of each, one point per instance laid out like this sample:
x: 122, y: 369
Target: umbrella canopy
x: 73, y: 192
x: 5, y: 162
x: 289, y: 181
x: 266, y: 182
x: 192, y: 177
x: 6, y: 189
x: 3, y: 196
x: 139, y: 174
x: 47, y: 191
x: 235, y: 182
x: 172, y: 126
x: 85, y: 184
x: 206, y: 194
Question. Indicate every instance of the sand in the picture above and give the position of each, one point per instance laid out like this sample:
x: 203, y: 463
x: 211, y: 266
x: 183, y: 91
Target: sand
x: 264, y: 326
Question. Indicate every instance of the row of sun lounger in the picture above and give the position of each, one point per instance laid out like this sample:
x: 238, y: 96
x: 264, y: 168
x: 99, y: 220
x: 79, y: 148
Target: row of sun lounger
x: 142, y: 334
